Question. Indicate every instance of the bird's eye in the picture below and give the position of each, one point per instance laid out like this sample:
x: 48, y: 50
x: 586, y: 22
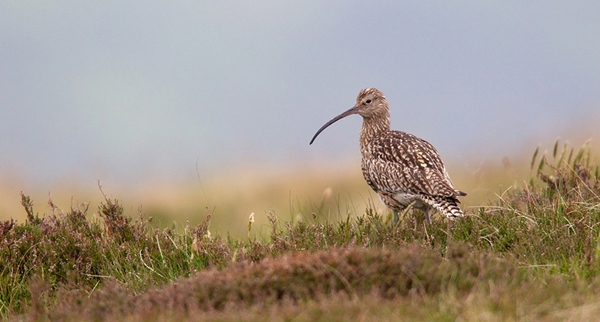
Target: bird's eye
x: 368, y: 101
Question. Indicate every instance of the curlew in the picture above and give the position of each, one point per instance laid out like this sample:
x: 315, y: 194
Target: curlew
x: 402, y: 169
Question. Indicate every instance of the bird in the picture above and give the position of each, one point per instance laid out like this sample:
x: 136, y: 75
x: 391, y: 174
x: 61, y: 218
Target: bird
x: 403, y: 169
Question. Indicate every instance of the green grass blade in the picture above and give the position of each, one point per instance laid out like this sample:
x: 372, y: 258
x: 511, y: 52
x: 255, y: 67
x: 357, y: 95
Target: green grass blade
x: 535, y: 153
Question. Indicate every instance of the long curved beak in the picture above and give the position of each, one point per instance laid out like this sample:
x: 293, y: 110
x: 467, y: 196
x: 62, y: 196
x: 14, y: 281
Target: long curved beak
x: 353, y: 110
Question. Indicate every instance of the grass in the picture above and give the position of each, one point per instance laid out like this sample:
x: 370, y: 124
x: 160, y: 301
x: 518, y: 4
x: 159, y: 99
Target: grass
x: 532, y: 253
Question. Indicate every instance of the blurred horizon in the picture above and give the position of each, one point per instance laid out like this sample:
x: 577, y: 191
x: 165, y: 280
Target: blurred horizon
x: 327, y: 191
x: 153, y: 94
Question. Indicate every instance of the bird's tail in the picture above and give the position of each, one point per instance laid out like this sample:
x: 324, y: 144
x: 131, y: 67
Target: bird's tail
x: 448, y: 206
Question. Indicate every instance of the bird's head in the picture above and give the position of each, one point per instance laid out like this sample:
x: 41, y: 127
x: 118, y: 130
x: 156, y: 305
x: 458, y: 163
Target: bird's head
x: 370, y: 103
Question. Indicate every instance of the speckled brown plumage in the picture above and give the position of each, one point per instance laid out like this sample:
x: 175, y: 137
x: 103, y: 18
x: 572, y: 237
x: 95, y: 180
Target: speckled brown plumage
x: 401, y: 168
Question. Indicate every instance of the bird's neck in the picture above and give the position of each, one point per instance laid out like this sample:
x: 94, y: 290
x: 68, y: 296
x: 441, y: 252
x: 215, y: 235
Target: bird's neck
x: 373, y: 127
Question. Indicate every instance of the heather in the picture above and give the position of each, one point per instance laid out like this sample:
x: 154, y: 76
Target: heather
x: 531, y: 253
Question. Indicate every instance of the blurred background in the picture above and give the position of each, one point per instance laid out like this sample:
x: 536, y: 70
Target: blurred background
x: 183, y: 109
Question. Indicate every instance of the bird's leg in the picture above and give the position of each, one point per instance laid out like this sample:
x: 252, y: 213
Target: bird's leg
x: 396, y: 218
x: 426, y: 212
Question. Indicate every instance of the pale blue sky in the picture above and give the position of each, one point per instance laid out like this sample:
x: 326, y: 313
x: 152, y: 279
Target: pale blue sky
x: 129, y: 90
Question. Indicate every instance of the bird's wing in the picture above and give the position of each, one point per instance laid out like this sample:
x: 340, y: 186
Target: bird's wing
x: 401, y: 162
